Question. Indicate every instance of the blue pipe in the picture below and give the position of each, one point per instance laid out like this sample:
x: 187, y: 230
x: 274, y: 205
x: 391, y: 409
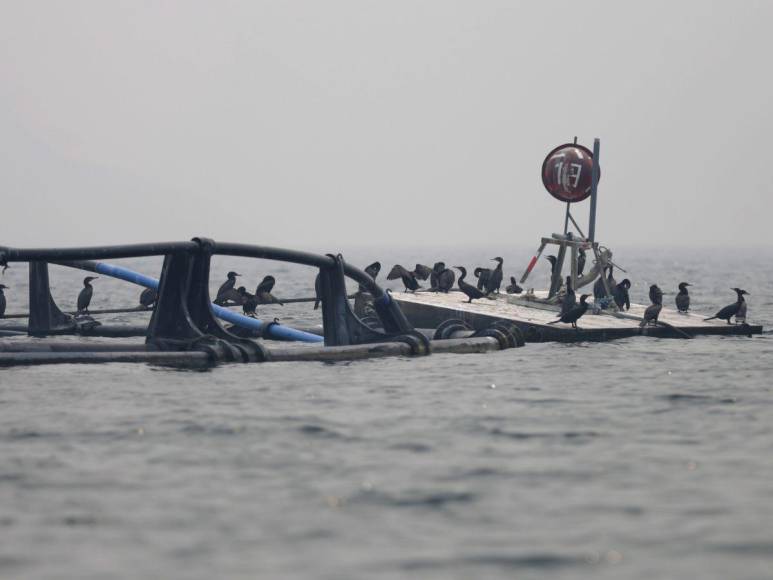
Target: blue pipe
x: 276, y: 331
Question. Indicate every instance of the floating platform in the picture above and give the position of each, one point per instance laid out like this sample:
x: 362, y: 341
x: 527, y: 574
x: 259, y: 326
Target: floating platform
x: 532, y: 314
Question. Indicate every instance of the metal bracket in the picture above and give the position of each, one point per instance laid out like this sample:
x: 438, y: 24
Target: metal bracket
x: 341, y: 325
x: 45, y: 316
x: 183, y: 318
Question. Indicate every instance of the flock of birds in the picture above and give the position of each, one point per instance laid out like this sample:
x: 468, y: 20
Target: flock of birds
x: 572, y: 311
x: 490, y: 281
x: 229, y: 295
x: 442, y: 279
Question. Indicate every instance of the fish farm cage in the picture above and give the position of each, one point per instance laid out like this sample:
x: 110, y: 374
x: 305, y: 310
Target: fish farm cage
x: 186, y: 328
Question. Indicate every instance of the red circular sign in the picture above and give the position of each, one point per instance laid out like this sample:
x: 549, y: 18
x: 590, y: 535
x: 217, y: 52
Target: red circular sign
x: 567, y: 172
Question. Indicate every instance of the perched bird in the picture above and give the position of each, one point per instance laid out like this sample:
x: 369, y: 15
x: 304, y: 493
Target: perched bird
x: 471, y: 291
x: 372, y: 270
x: 513, y: 288
x: 494, y: 281
x: 2, y: 300
x: 611, y: 282
x: 620, y: 294
x: 148, y: 297
x: 445, y: 280
x: 575, y: 313
x: 317, y: 291
x: 683, y: 298
x: 656, y: 295
x: 740, y: 316
x: 653, y: 310
x: 580, y: 261
x: 263, y: 291
x: 408, y: 278
x: 84, y: 297
x: 570, y: 300
x: 422, y: 272
x: 599, y: 291
x: 737, y: 309
x: 226, y: 289
x: 442, y: 279
x: 433, y: 278
x: 482, y: 274
x: 241, y: 295
x: 250, y: 303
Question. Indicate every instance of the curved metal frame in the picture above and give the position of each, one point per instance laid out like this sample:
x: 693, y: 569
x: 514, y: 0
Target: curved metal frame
x: 342, y: 326
x: 9, y: 254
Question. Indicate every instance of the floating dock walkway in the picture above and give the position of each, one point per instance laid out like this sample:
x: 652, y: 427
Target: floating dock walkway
x: 532, y: 316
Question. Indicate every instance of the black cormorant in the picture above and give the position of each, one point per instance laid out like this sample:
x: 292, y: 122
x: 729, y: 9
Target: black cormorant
x: 482, y: 274
x: 422, y: 272
x: 445, y: 280
x: 683, y: 298
x: 620, y: 294
x: 148, y: 297
x: 653, y: 310
x: 740, y: 316
x: 599, y: 291
x: 2, y: 300
x: 611, y: 282
x: 656, y: 295
x: 408, y: 277
x: 570, y: 300
x: 371, y: 270
x: 240, y: 296
x: 224, y: 292
x: 84, y: 297
x: 263, y: 291
x: 494, y: 281
x: 513, y: 288
x: 250, y: 302
x: 737, y: 309
x: 471, y: 291
x: 442, y: 279
x: 433, y: 277
x: 580, y: 262
x: 575, y: 313
x: 317, y: 291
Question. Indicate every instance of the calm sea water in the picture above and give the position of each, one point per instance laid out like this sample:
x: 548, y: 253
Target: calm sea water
x: 641, y: 458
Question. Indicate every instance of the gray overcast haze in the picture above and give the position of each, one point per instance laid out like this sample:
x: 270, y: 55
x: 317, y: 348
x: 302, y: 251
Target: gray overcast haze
x: 325, y: 125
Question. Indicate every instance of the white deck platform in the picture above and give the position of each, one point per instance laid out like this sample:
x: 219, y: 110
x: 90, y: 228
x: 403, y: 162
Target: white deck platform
x: 429, y: 308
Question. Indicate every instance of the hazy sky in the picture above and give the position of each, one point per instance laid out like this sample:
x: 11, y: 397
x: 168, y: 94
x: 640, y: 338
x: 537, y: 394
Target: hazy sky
x: 327, y: 124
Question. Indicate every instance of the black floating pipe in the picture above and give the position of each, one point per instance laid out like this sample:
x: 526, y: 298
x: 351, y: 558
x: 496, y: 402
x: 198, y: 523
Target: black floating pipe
x: 8, y: 254
x: 187, y: 358
x: 62, y: 353
x: 91, y: 312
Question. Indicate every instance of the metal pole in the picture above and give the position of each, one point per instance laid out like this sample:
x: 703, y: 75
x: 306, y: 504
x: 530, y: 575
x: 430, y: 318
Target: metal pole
x: 579, y: 230
x: 533, y: 262
x: 593, y: 191
x: 566, y: 218
x: 557, y: 278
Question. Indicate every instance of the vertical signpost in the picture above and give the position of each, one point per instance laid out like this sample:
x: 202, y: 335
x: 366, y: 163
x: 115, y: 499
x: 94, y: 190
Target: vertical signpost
x: 570, y: 173
x: 594, y: 191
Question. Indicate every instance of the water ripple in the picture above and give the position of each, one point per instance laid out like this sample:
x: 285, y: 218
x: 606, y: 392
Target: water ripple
x: 432, y: 499
x: 541, y: 561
